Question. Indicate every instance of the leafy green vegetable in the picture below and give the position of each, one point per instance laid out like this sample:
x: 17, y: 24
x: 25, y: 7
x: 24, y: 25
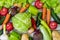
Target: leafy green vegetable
x: 14, y: 36
x: 2, y: 18
x: 57, y: 9
x: 30, y: 38
x: 33, y: 10
x: 9, y: 3
x: 25, y: 1
x: 31, y: 1
x: 55, y: 4
x: 1, y: 3
x: 1, y: 32
x: 21, y: 2
x: 22, y: 22
x: 43, y: 1
x: 51, y: 3
x: 6, y: 3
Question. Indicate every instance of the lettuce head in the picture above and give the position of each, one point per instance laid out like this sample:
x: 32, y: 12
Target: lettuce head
x: 22, y: 22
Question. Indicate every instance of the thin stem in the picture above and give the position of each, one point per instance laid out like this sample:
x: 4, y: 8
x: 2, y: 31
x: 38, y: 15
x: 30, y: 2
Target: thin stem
x: 4, y: 29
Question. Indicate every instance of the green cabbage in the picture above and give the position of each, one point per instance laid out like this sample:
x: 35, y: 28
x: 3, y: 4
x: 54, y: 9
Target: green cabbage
x: 22, y: 22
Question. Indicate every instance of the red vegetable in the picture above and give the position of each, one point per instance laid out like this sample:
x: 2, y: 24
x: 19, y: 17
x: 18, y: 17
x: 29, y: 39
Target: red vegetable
x: 37, y: 35
x: 33, y: 23
x: 0, y: 12
x: 9, y: 26
x: 4, y: 11
x: 37, y: 0
x: 53, y: 25
x: 38, y: 4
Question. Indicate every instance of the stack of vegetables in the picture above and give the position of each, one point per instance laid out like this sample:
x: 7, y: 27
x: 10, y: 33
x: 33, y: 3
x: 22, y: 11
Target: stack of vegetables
x: 29, y: 19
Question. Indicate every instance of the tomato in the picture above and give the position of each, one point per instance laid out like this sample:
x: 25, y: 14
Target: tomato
x: 38, y: 4
x: 53, y: 25
x: 9, y: 26
x: 3, y: 11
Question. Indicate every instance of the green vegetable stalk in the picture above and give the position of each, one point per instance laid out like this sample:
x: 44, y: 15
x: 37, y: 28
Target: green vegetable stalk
x: 39, y: 16
x: 45, y: 33
x: 46, y: 26
x: 55, y: 17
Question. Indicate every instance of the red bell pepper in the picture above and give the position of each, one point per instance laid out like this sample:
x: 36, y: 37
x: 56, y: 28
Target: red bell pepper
x: 33, y: 23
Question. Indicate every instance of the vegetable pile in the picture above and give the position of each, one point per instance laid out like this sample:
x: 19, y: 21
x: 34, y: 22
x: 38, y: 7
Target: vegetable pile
x: 29, y: 19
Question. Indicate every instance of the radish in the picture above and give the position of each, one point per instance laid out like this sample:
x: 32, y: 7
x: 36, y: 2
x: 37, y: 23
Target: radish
x: 9, y: 26
x: 53, y: 25
x: 4, y: 11
x: 38, y: 4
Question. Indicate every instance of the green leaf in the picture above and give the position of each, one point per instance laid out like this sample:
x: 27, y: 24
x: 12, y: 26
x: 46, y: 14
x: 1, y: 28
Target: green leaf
x: 20, y: 1
x: 43, y: 1
x: 1, y: 2
x: 31, y: 1
x: 14, y: 36
x: 9, y: 3
x: 33, y: 10
x: 57, y: 9
x: 54, y: 3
